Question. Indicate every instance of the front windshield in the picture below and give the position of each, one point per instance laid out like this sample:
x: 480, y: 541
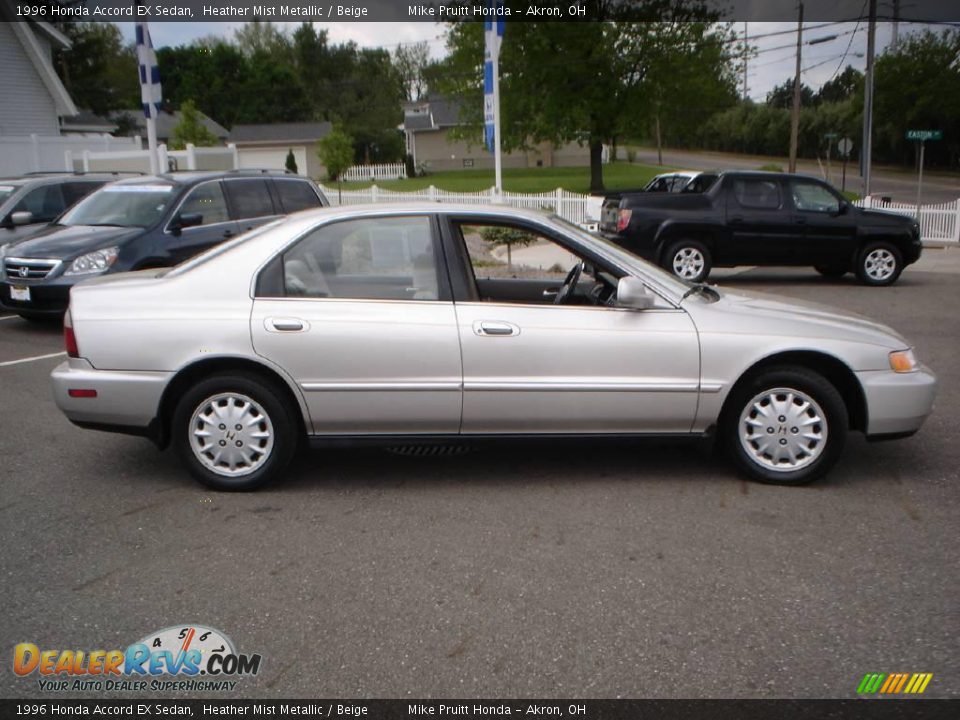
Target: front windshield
x: 627, y: 259
x: 122, y: 205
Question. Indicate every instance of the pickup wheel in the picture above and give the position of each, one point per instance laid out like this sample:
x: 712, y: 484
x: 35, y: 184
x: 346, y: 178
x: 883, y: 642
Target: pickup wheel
x: 785, y: 426
x: 689, y: 260
x: 879, y: 263
x: 831, y: 271
x: 233, y: 431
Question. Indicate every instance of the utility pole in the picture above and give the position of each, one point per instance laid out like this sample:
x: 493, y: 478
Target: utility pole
x: 866, y: 147
x: 795, y: 115
x: 746, y: 55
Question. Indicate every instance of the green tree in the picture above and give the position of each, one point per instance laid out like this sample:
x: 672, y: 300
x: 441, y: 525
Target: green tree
x: 190, y: 129
x: 291, y: 162
x: 508, y: 237
x: 843, y: 87
x: 411, y: 61
x: 782, y: 95
x: 99, y: 70
x: 336, y: 153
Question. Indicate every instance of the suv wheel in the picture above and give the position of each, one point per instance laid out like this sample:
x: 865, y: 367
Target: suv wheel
x: 879, y: 263
x: 233, y: 432
x: 786, y: 426
x: 689, y: 260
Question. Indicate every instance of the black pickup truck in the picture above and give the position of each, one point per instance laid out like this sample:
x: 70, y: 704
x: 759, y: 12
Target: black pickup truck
x: 761, y: 218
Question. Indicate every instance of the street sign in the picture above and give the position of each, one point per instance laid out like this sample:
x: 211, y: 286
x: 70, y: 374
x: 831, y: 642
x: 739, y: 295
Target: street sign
x: 845, y: 146
x: 923, y: 135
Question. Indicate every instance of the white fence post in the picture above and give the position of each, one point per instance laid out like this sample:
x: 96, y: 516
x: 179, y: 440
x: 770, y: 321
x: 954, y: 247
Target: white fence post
x: 432, y: 193
x: 164, y: 159
x: 236, y: 155
x: 35, y: 148
x: 191, y: 157
x: 374, y: 193
x: 68, y: 159
x: 86, y: 161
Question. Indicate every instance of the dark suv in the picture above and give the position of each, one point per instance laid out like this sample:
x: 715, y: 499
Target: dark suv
x: 30, y: 201
x: 140, y: 223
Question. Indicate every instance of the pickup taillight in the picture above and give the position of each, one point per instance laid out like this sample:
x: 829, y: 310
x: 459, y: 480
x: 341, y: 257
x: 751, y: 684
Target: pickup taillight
x: 69, y: 339
x: 623, y: 219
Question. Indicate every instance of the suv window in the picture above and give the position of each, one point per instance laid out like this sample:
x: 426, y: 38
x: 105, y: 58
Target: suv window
x: 296, y: 195
x: 45, y: 203
x: 250, y: 198
x: 76, y: 191
x: 207, y: 200
x: 813, y: 197
x: 761, y: 194
x: 391, y: 258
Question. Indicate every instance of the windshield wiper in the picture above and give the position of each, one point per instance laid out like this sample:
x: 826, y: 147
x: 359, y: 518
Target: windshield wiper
x: 701, y: 288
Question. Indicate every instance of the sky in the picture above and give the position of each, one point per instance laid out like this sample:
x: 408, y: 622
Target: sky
x: 774, y: 62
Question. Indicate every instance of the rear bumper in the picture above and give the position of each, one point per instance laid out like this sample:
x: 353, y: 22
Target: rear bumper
x: 897, y: 403
x: 125, y: 401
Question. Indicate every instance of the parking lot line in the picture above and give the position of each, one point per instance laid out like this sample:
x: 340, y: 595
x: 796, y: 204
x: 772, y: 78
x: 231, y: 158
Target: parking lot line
x: 31, y: 359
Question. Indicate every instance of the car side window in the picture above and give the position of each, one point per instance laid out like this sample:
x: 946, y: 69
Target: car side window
x: 758, y: 194
x: 44, y: 203
x: 250, y: 198
x: 207, y: 201
x: 391, y: 258
x: 73, y: 192
x: 813, y: 197
x: 296, y: 195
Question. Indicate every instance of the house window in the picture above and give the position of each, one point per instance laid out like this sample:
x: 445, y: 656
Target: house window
x: 468, y: 162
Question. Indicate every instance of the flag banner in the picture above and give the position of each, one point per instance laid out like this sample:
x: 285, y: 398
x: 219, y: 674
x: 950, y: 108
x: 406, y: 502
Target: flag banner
x: 493, y: 32
x: 151, y: 94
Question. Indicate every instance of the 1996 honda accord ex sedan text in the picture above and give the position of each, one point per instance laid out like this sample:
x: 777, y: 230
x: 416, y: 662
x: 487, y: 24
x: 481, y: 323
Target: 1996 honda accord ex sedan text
x: 429, y: 323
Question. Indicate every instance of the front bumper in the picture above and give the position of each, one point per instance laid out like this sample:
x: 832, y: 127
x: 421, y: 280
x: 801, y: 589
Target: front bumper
x: 897, y: 403
x: 49, y: 298
x: 125, y: 401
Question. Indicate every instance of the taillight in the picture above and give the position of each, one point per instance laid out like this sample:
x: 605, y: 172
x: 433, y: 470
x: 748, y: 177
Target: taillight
x: 69, y: 338
x: 623, y: 219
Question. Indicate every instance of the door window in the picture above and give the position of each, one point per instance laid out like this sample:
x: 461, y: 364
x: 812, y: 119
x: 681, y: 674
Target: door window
x: 758, y: 194
x: 207, y: 200
x: 250, y: 198
x: 391, y: 258
x: 296, y: 195
x: 75, y: 191
x: 814, y: 197
x: 44, y: 203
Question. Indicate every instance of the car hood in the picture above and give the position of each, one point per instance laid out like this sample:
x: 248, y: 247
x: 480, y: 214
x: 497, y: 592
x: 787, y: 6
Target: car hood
x: 68, y: 241
x: 806, y: 319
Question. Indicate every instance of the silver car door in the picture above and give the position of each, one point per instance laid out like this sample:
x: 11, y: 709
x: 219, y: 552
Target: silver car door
x: 362, y: 320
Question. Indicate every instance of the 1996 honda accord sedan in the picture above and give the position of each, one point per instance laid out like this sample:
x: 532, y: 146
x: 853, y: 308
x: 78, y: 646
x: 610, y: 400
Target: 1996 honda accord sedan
x: 431, y: 323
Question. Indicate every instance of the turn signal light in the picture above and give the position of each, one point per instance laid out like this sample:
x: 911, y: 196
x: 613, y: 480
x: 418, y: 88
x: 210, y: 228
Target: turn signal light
x: 903, y: 361
x: 69, y: 339
x: 81, y: 393
x: 623, y: 219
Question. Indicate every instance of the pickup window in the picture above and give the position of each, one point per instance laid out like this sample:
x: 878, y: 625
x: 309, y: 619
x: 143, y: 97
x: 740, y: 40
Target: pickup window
x: 758, y: 194
x: 813, y: 197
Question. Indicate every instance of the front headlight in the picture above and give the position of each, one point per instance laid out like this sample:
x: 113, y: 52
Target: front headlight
x: 96, y: 262
x: 903, y: 361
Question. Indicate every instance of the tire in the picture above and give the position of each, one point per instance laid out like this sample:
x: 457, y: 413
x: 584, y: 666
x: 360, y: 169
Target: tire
x: 831, y: 271
x: 879, y: 263
x: 269, y: 444
x: 689, y: 260
x: 747, y: 435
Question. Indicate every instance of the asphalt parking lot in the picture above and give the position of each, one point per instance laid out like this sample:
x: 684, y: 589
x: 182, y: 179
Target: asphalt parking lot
x: 556, y: 570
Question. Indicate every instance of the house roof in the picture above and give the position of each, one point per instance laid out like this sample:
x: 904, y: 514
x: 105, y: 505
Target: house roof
x: 273, y: 133
x: 39, y: 56
x: 87, y: 121
x: 438, y: 112
x: 167, y: 121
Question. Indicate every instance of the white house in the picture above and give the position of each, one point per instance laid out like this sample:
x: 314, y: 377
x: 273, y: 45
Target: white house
x: 33, y: 98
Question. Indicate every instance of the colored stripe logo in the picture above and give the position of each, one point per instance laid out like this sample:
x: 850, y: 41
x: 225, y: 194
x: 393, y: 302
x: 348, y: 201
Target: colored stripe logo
x: 894, y: 683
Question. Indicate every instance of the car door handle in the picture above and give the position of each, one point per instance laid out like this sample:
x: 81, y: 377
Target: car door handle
x: 286, y: 324
x: 495, y: 328
x: 736, y: 219
x: 228, y: 233
x: 551, y: 292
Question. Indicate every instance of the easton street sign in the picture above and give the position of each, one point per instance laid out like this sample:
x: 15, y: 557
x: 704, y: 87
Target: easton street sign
x: 922, y: 135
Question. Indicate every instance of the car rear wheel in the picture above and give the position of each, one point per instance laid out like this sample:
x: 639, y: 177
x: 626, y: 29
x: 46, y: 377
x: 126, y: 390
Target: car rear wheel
x: 785, y: 426
x: 831, y: 271
x: 234, y: 432
x: 689, y: 260
x: 879, y: 263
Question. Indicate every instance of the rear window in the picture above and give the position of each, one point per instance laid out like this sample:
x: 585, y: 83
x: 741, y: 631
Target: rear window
x: 74, y: 191
x: 250, y: 198
x: 296, y: 195
x: 760, y: 194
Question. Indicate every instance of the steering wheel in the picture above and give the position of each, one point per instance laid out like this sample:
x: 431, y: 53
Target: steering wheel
x: 569, y: 284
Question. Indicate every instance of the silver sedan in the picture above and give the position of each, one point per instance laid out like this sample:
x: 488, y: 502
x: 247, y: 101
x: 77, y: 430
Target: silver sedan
x: 431, y: 323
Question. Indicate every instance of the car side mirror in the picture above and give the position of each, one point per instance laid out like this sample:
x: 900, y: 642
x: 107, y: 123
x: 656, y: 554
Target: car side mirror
x: 632, y: 293
x: 185, y: 220
x: 843, y: 208
x: 23, y: 217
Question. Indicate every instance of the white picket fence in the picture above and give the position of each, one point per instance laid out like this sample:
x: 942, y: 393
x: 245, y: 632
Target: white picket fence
x: 375, y: 173
x: 36, y: 153
x: 568, y: 205
x: 192, y: 158
x: 939, y: 223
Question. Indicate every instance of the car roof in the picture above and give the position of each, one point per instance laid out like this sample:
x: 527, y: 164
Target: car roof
x: 192, y: 177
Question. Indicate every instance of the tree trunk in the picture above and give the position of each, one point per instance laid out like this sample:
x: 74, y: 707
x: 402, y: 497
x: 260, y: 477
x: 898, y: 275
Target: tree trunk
x: 596, y: 166
x: 659, y: 140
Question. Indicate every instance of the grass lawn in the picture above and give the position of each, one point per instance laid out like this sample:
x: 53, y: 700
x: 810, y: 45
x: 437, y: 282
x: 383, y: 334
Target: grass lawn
x: 616, y: 176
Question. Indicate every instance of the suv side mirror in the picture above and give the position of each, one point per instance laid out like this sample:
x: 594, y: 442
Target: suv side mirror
x: 185, y: 220
x: 23, y: 217
x: 632, y: 293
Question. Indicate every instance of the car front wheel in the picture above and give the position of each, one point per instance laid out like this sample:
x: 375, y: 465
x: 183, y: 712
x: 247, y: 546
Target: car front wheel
x: 689, y: 260
x: 234, y: 432
x: 785, y: 426
x: 879, y: 263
